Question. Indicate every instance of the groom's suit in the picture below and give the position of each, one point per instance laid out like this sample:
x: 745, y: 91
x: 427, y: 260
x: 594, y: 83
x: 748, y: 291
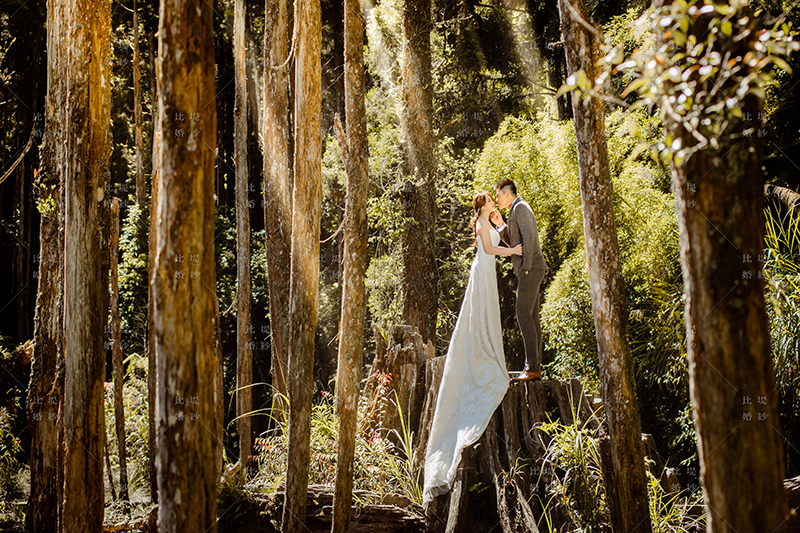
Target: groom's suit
x: 521, y: 229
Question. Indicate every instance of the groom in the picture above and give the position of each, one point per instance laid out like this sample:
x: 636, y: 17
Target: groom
x: 530, y: 269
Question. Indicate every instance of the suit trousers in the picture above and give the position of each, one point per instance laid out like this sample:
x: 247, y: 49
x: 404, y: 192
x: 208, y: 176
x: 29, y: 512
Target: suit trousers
x: 528, y: 316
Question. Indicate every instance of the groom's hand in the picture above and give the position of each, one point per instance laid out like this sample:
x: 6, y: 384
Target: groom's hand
x: 497, y: 218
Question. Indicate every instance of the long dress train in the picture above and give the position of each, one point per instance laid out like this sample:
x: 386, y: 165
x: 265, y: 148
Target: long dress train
x: 475, y: 378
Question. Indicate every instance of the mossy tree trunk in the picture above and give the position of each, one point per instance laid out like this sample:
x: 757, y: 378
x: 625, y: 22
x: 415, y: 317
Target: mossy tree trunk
x: 43, y: 398
x: 628, y: 498
x: 420, y: 275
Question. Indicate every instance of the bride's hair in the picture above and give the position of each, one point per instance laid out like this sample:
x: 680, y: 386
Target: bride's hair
x: 478, y: 202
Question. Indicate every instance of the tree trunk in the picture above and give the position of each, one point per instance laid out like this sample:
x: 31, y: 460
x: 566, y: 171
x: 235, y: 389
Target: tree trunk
x: 43, y: 398
x: 305, y: 258
x: 116, y: 353
x: 355, y: 152
x: 244, y: 358
x: 87, y: 149
x: 141, y: 188
x: 720, y: 201
x: 152, y: 451
x: 184, y: 269
x: 554, y: 57
x: 277, y: 191
x: 420, y: 272
x: 607, y: 287
x: 152, y: 380
x: 219, y: 382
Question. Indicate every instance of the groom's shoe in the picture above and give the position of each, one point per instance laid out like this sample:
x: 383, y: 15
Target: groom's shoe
x: 527, y: 375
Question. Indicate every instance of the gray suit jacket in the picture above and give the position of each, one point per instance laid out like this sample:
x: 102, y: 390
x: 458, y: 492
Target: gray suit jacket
x: 521, y: 229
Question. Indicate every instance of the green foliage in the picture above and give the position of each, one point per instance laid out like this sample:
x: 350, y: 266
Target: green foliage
x: 13, y: 416
x: 134, y: 401
x: 782, y: 294
x: 133, y: 283
x: 574, y: 479
x: 669, y: 513
x: 580, y: 488
x: 698, y: 63
x: 380, y: 466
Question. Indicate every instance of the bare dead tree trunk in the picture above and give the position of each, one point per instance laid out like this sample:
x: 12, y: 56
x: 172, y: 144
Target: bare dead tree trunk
x: 141, y: 187
x: 607, y: 286
x: 420, y: 272
x: 43, y: 397
x: 305, y: 258
x: 244, y: 358
x: 184, y: 273
x: 277, y: 189
x: 87, y: 150
x: 116, y: 353
x: 355, y: 152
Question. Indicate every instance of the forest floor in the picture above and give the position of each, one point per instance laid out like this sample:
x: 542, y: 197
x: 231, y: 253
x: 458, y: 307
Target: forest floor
x: 239, y: 511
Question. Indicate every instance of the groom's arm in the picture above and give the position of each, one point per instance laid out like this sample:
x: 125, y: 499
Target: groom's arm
x: 503, y: 231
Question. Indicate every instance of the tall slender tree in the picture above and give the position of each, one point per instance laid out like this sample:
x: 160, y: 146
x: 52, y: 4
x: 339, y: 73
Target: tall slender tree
x: 628, y: 499
x: 244, y: 359
x: 420, y: 276
x: 43, y: 399
x: 116, y: 353
x: 304, y: 296
x: 87, y: 149
x: 355, y: 153
x: 277, y: 137
x: 152, y: 379
x: 184, y: 269
x: 141, y: 187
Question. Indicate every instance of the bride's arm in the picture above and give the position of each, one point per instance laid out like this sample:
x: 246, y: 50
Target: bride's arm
x: 483, y: 231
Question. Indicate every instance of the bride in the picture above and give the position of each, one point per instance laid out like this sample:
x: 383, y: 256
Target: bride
x: 475, y: 377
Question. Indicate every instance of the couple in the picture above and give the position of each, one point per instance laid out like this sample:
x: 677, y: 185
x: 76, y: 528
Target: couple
x: 475, y: 378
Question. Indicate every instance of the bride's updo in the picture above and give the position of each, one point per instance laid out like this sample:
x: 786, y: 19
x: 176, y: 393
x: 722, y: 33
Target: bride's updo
x: 478, y: 202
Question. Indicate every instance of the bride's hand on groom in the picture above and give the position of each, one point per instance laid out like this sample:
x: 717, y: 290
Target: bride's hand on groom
x: 517, y: 250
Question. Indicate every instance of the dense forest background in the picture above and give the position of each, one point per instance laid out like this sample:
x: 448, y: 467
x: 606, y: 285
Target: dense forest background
x: 496, y: 66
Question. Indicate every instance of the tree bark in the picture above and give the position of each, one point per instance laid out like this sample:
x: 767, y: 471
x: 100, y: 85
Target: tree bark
x: 87, y: 150
x: 152, y: 452
x: 355, y: 151
x: 731, y: 377
x: 305, y: 258
x: 420, y: 276
x: 244, y: 358
x: 184, y: 269
x: 116, y: 353
x: 277, y: 190
x: 43, y: 398
x: 141, y: 187
x: 152, y: 379
x: 607, y: 286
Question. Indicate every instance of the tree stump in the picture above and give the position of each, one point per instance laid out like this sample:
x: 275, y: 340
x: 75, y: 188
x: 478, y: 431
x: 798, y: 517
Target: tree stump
x: 397, y: 383
x: 510, y: 457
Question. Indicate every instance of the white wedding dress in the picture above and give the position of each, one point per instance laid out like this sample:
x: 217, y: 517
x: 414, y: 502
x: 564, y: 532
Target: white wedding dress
x: 475, y: 377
